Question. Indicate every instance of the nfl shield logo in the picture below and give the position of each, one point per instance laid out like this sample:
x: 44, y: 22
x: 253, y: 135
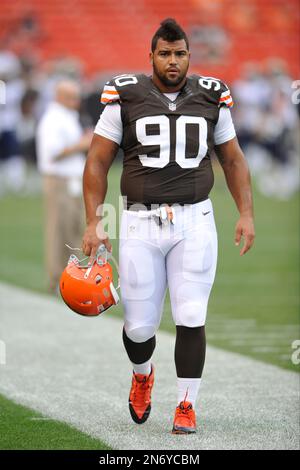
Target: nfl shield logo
x: 172, y: 106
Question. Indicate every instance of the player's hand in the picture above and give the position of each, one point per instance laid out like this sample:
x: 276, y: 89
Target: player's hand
x: 245, y: 228
x: 93, y: 237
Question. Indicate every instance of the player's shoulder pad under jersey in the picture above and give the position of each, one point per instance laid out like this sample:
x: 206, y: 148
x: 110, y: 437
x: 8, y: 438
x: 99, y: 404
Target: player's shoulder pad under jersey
x: 217, y: 89
x: 124, y: 87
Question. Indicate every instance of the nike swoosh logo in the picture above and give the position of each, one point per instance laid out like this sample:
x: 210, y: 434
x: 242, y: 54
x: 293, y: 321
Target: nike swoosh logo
x: 205, y: 213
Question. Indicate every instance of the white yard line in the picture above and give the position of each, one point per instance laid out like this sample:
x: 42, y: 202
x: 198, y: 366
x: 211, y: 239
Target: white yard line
x: 75, y: 369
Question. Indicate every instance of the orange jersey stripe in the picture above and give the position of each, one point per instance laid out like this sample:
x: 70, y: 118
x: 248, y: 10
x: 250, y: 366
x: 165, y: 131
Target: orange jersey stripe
x: 110, y: 92
x: 226, y: 98
x: 107, y: 100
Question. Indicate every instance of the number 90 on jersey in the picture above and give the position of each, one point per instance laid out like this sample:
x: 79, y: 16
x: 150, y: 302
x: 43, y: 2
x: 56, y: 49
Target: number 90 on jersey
x: 162, y: 139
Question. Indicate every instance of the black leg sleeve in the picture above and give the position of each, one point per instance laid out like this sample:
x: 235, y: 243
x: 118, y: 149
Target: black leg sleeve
x: 190, y: 350
x: 139, y: 352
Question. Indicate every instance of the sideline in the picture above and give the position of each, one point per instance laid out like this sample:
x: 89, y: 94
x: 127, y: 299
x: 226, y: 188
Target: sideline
x: 75, y: 370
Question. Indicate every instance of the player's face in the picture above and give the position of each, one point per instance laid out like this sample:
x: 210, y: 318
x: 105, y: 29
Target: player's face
x: 170, y: 62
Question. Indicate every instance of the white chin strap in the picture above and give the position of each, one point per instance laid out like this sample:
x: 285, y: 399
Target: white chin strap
x: 108, y: 255
x: 114, y: 293
x: 117, y: 268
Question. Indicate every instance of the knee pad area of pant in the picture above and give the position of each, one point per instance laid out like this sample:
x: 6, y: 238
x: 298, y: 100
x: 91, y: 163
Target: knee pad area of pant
x: 191, y: 315
x: 140, y: 334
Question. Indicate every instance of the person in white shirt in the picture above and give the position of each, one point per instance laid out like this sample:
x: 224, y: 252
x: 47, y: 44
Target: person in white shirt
x: 61, y: 147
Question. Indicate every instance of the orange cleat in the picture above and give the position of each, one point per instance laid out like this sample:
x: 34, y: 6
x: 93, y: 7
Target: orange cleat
x: 185, y: 419
x: 140, y: 396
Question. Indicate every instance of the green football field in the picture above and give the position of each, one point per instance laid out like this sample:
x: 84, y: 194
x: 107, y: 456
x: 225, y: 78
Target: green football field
x: 253, y: 309
x: 22, y: 428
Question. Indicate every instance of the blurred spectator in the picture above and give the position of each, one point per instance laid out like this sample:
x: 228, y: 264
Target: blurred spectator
x: 26, y: 126
x: 267, y: 124
x: 54, y: 71
x: 210, y: 44
x: 12, y: 167
x: 61, y: 145
x: 23, y: 33
x: 93, y: 106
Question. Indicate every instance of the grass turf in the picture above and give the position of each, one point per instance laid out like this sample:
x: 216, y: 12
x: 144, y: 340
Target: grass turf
x: 22, y: 429
x: 253, y: 309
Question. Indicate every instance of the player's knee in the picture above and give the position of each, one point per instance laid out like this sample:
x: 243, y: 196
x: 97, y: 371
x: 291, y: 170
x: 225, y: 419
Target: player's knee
x: 191, y: 315
x: 140, y: 334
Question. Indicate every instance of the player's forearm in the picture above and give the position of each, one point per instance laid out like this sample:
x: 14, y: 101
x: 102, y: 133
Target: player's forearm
x: 239, y: 183
x: 94, y: 189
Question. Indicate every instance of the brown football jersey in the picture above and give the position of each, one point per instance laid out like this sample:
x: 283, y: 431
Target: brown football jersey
x: 167, y: 144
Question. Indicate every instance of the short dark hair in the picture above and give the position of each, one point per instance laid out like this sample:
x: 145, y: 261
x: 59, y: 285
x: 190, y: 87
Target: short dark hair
x: 171, y: 31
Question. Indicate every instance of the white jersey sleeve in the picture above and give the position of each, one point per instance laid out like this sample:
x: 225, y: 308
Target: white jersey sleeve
x: 110, y: 123
x: 224, y: 129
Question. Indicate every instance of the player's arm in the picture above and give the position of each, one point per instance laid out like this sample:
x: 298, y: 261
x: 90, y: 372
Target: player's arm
x: 100, y: 157
x: 238, y: 181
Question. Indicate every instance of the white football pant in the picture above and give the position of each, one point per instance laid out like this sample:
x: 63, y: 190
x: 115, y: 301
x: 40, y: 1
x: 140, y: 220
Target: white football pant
x: 182, y: 256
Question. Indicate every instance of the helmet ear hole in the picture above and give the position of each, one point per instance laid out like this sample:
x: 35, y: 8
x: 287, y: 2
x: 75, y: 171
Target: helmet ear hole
x: 106, y: 293
x: 98, y: 278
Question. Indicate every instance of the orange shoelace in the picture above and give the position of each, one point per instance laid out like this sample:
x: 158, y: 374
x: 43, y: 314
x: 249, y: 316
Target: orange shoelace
x: 185, y: 415
x: 185, y: 411
x: 182, y: 409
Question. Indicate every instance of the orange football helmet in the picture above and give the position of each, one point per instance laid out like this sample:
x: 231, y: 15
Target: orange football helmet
x: 88, y: 289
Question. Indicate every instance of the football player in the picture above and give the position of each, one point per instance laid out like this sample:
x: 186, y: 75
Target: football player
x: 168, y: 124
